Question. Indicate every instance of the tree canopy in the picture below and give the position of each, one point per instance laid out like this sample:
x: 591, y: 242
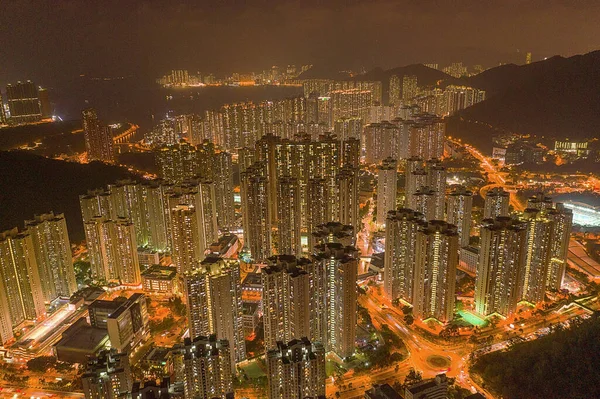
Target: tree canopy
x: 563, y: 364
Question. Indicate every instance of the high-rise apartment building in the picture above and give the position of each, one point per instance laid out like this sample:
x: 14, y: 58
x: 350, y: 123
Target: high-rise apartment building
x: 334, y: 232
x: 454, y: 98
x: 98, y: 138
x: 181, y: 162
x: 214, y: 303
x: 223, y: 178
x: 2, y: 114
x: 21, y: 295
x: 53, y: 255
x: 96, y: 203
x: 424, y: 201
x: 539, y: 201
x: 537, y: 261
x: 400, y: 245
x: 112, y: 250
x: 496, y: 203
x: 337, y: 265
x: 387, y: 182
x: 23, y: 102
x: 409, y: 88
x: 436, y: 180
x: 148, y: 205
x: 154, y: 199
x: 289, y: 220
x: 348, y: 204
x: 187, y: 243
x: 107, y: 376
x: 127, y: 203
x: 415, y: 177
x: 351, y: 152
x: 456, y: 69
x: 45, y: 106
x: 395, y: 91
x: 460, y: 203
x: 207, y: 367
x: 349, y: 103
x: 256, y: 212
x: 426, y: 135
x: 201, y: 194
x: 562, y: 219
x: 382, y: 141
x: 318, y: 209
x: 436, y: 258
x: 296, y: 370
x: 346, y: 128
x: 286, y: 299
x: 326, y: 162
x: 501, y: 266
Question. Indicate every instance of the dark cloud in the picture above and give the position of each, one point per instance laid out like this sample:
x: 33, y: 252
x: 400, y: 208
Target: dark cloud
x: 52, y: 41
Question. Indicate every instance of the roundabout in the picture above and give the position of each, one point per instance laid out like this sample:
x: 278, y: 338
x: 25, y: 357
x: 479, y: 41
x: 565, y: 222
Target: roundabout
x: 438, y: 362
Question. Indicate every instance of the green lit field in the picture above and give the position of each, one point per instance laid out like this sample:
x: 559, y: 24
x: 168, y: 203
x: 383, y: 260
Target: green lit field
x: 253, y: 370
x: 472, y: 319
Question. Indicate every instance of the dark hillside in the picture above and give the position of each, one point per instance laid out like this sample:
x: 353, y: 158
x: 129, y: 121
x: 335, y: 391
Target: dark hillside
x: 30, y: 184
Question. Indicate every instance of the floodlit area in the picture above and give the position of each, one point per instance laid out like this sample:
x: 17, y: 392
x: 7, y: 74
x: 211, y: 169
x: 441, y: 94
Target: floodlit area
x: 583, y: 214
x: 50, y: 324
x: 472, y: 318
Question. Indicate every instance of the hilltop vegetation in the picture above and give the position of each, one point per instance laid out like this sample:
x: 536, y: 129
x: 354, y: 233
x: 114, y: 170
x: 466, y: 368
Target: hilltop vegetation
x: 561, y: 365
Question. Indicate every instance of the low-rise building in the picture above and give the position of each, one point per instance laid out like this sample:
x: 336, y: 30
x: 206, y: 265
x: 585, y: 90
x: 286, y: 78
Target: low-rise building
x: 250, y: 317
x: 79, y: 342
x: 435, y: 388
x: 148, y: 257
x: 161, y: 280
x: 226, y: 246
x: 382, y: 391
x: 468, y: 258
x: 85, y: 296
x: 125, y: 319
x: 100, y: 310
x: 128, y: 325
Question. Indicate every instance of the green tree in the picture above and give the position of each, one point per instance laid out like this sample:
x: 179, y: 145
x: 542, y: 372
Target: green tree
x: 41, y: 363
x: 412, y: 377
x: 83, y: 272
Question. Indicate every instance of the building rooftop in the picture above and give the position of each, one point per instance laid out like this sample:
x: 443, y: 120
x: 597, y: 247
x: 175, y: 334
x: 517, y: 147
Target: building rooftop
x: 104, y: 304
x: 88, y: 294
x: 382, y: 391
x: 252, y: 279
x: 223, y: 244
x: 157, y: 354
x: 158, y: 272
x: 427, y: 384
x: 83, y: 337
x: 249, y: 308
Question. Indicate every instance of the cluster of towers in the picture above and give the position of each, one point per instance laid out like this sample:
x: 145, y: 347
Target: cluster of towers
x: 294, y: 186
x: 36, y: 267
x: 521, y: 255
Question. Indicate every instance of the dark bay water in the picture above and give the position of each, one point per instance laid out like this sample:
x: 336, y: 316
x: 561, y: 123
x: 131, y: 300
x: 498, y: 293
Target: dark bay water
x: 141, y: 102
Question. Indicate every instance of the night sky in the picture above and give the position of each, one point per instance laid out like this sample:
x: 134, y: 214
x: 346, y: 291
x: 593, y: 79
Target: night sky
x: 55, y: 41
